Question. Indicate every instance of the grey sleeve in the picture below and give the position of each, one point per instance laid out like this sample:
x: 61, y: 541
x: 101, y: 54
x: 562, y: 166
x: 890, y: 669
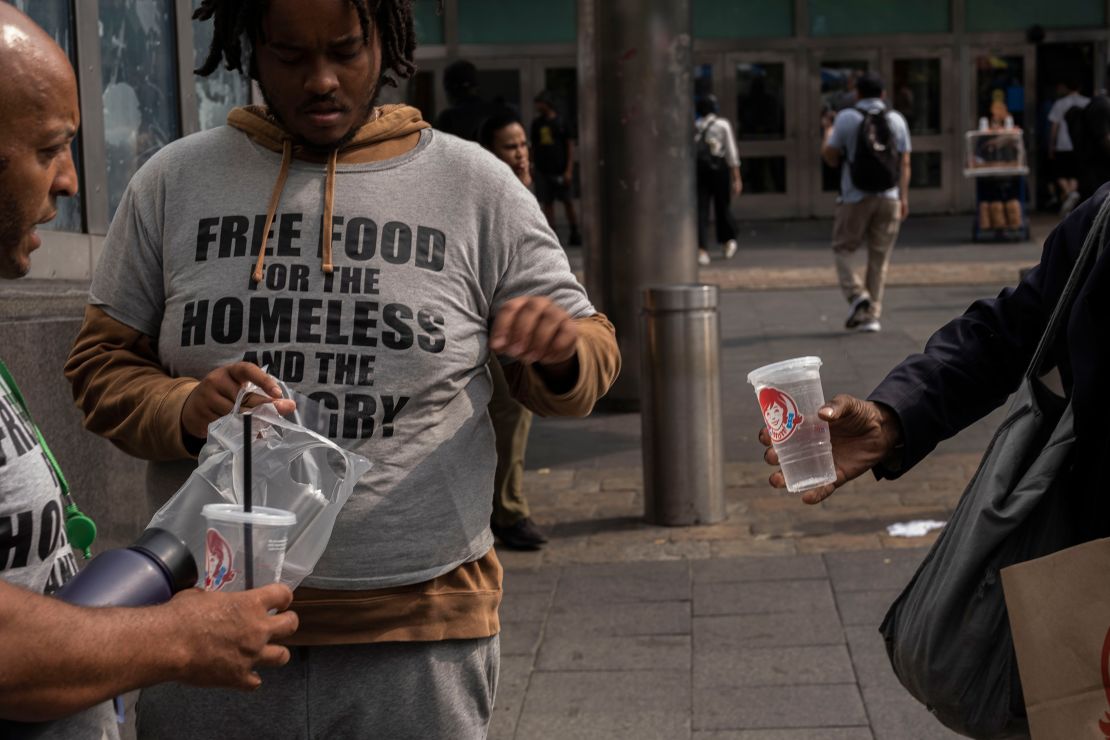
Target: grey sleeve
x: 536, y: 263
x: 128, y: 283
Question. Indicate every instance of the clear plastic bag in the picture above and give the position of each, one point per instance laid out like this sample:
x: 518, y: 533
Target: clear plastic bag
x: 294, y: 467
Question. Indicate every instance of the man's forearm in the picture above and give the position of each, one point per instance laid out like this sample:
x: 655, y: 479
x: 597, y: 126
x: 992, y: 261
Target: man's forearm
x: 904, y: 178
x: 57, y: 659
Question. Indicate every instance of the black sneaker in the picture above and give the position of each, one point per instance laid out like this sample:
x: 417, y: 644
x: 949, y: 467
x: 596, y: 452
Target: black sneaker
x: 857, y: 311
x: 524, y: 535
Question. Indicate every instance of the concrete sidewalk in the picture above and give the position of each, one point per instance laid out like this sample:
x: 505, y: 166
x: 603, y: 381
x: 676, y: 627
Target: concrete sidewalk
x: 763, y: 627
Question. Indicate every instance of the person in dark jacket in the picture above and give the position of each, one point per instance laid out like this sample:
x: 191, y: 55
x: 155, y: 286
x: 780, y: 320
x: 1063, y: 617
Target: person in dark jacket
x: 971, y: 365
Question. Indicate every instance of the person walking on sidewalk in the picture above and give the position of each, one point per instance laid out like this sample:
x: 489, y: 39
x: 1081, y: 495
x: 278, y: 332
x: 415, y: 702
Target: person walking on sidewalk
x: 383, y: 262
x: 718, y: 177
x: 511, y: 522
x: 1061, y: 147
x: 871, y: 145
x: 553, y: 147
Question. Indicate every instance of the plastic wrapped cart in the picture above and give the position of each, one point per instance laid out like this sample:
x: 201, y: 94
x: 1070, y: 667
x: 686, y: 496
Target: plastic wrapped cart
x: 995, y: 159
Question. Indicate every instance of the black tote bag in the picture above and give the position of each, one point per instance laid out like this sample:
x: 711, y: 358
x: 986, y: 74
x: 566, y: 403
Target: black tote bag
x: 947, y: 634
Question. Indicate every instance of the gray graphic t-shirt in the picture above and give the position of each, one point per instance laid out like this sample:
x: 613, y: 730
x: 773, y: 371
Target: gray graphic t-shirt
x: 427, y: 248
x: 34, y: 551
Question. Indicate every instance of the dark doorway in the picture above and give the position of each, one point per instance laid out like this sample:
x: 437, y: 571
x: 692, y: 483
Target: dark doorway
x: 1056, y: 65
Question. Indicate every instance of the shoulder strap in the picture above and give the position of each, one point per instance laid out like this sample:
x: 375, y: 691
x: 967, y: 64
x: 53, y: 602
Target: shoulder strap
x: 13, y: 388
x: 1093, y: 244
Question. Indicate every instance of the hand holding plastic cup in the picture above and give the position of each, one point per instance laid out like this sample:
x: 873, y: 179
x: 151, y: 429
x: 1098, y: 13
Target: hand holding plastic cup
x: 789, y: 395
x: 229, y: 528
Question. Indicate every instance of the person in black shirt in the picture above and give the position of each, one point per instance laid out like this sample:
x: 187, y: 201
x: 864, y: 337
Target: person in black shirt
x: 553, y: 151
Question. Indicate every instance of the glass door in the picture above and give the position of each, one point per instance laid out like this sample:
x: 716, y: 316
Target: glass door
x: 833, y: 75
x: 761, y: 105
x: 919, y: 86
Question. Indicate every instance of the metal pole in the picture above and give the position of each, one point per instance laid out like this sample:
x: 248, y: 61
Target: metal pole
x: 683, y: 447
x: 636, y: 61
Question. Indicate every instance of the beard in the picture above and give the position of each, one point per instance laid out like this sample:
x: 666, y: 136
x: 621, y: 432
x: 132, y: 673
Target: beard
x: 330, y: 147
x: 13, y: 232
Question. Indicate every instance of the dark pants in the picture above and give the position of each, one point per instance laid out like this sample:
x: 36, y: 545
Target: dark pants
x: 715, y: 188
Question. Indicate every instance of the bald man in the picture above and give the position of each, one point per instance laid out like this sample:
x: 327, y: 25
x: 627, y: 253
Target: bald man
x: 58, y: 662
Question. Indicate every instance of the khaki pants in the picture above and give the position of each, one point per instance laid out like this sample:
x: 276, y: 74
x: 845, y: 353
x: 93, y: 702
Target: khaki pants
x: 873, y: 221
x: 511, y: 423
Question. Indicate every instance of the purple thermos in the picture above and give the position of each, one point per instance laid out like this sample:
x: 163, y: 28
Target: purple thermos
x: 148, y: 572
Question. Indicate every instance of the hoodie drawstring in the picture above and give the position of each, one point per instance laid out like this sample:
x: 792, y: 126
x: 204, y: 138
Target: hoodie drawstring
x: 275, y: 199
x: 329, y: 201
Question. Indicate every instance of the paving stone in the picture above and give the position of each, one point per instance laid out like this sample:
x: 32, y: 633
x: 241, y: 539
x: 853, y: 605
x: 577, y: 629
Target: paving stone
x: 895, y: 715
x: 735, y: 570
x: 801, y: 733
x: 512, y: 683
x: 865, y: 608
x: 732, y: 528
x: 868, y: 651
x: 646, y: 705
x: 769, y: 630
x: 909, y: 543
x: 520, y: 638
x: 525, y: 607
x: 839, y: 543
x: 623, y: 583
x: 754, y: 546
x: 755, y: 597
x: 530, y: 580
x: 643, y: 618
x: 780, y: 666
x: 872, y: 570
x: 777, y: 707
x: 519, y: 560
x: 567, y: 652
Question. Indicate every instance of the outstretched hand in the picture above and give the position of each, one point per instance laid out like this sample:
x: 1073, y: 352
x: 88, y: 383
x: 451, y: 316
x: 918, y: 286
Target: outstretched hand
x: 863, y: 434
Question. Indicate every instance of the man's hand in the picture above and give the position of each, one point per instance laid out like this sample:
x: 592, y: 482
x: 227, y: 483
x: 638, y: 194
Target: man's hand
x: 225, y: 636
x: 534, y: 330
x: 737, y: 185
x: 904, y: 211
x: 863, y: 434
x: 215, y: 396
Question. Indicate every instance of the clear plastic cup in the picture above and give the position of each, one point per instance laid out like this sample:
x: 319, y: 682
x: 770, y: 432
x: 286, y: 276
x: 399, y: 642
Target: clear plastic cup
x: 225, y: 552
x: 789, y: 394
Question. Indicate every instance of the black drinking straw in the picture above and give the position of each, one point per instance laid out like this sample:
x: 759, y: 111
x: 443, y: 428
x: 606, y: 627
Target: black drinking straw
x: 248, y: 533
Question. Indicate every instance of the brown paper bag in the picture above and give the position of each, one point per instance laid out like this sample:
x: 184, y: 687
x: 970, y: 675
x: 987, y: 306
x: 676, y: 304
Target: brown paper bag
x: 1059, y: 609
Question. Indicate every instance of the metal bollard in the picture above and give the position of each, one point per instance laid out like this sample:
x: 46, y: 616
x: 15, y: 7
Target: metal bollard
x: 681, y: 406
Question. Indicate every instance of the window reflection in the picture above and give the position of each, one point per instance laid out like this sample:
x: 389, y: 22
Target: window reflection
x: 763, y: 175
x: 916, y: 93
x: 1004, y: 78
x: 137, y: 57
x: 220, y: 91
x: 56, y: 17
x: 760, y: 107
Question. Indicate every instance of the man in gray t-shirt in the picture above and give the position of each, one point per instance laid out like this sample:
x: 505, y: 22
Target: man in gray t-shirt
x: 865, y: 215
x: 60, y: 664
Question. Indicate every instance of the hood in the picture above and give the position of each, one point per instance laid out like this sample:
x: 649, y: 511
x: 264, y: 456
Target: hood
x: 391, y: 131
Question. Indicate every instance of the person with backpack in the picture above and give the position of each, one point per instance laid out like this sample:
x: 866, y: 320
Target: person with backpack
x: 871, y: 145
x: 718, y: 177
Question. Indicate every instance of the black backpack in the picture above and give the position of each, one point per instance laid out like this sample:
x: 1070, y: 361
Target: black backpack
x: 877, y: 163
x: 708, y: 164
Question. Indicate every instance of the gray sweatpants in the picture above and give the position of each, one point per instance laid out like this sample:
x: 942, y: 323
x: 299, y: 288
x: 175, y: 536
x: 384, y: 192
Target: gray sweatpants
x: 391, y: 690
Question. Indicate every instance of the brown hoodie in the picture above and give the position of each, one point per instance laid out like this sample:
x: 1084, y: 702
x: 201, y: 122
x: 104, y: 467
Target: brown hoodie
x: 126, y: 396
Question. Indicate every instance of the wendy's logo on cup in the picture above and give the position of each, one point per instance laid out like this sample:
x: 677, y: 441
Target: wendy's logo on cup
x: 219, y: 558
x: 781, y: 414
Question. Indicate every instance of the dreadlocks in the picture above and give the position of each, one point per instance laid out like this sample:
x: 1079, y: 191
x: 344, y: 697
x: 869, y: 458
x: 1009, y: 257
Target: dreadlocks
x: 234, y: 20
